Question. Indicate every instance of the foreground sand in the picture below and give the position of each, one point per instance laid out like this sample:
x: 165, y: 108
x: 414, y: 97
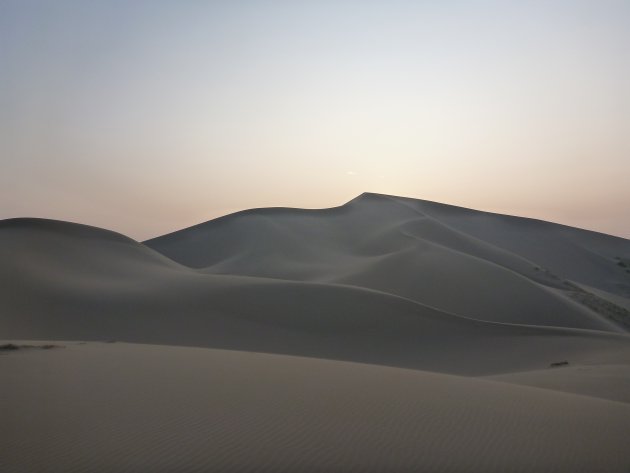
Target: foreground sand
x: 385, y: 335
x: 115, y: 407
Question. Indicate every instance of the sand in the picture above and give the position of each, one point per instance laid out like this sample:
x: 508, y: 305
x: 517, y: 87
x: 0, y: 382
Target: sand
x: 388, y: 334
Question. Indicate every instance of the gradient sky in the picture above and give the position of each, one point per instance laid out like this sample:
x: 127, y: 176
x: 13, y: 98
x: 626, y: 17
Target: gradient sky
x: 146, y: 117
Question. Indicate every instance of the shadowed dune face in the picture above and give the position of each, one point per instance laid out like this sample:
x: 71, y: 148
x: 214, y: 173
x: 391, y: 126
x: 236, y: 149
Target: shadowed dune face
x: 511, y: 354
x: 579, y: 255
x: 71, y: 282
x: 373, y: 225
x: 374, y: 280
x: 416, y: 250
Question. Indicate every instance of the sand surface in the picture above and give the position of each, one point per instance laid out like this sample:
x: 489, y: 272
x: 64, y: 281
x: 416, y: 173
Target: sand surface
x: 385, y: 335
x: 125, y: 407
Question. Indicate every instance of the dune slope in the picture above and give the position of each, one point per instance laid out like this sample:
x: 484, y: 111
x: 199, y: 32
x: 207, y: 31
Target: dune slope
x: 417, y: 250
x: 118, y: 407
x: 63, y: 281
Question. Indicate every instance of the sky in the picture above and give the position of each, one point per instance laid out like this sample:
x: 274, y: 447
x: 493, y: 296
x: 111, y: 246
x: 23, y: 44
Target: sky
x: 149, y: 116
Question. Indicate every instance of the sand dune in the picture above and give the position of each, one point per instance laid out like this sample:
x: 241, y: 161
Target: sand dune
x: 118, y: 407
x: 451, y: 318
x: 95, y: 285
x: 606, y: 381
x: 397, y: 246
x: 579, y: 255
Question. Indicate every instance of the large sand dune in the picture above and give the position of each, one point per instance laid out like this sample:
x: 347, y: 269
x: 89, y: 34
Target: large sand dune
x: 452, y: 318
x: 415, y: 249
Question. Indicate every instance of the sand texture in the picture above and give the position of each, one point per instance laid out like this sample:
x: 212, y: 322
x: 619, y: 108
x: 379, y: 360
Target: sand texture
x: 384, y: 335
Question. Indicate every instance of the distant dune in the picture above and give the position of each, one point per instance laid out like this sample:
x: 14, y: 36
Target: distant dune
x: 420, y: 250
x: 387, y: 334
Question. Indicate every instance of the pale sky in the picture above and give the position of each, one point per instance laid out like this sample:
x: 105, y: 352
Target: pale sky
x: 149, y: 116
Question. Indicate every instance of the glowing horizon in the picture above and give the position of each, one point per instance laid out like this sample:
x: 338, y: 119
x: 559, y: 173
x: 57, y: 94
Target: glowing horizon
x: 149, y: 117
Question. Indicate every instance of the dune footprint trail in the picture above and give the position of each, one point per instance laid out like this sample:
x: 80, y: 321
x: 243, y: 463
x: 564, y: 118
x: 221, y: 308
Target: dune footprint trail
x: 387, y: 334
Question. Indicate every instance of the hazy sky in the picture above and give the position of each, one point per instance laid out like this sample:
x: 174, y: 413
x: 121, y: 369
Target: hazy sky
x: 146, y: 117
